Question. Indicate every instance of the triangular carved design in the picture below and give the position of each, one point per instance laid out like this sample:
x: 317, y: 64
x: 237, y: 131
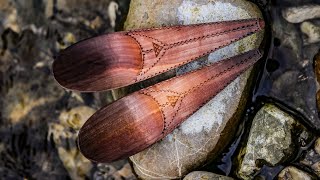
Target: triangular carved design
x: 173, y: 100
x: 157, y: 49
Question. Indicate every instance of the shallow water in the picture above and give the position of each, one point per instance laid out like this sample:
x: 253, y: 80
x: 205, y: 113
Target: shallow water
x: 278, y: 60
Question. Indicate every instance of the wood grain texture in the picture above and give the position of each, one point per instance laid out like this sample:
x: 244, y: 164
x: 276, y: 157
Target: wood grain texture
x: 123, y: 58
x: 135, y: 122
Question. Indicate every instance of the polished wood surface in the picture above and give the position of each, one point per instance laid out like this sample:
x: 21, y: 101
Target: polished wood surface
x: 123, y: 58
x: 135, y: 122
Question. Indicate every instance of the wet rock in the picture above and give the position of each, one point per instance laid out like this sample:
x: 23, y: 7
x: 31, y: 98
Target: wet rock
x: 295, y: 62
x: 301, y: 13
x: 8, y: 16
x: 117, y: 171
x: 312, y: 31
x: 201, y: 137
x: 292, y: 173
x: 312, y: 158
x: 64, y: 136
x: 126, y: 172
x: 200, y: 175
x: 271, y: 140
x: 317, y: 146
x: 316, y: 168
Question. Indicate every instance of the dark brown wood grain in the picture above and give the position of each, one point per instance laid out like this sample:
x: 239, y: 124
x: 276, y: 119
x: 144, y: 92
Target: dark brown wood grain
x: 123, y: 58
x: 135, y: 122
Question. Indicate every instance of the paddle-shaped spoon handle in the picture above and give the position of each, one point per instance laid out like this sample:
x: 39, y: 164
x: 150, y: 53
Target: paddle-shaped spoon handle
x: 135, y: 122
x: 123, y: 58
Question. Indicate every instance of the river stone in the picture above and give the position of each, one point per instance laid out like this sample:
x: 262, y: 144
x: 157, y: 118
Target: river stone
x: 317, y: 146
x: 312, y: 158
x: 117, y: 170
x: 293, y: 173
x: 312, y: 31
x: 204, y: 135
x: 295, y: 63
x: 8, y: 16
x: 301, y: 13
x: 201, y: 175
x: 270, y: 140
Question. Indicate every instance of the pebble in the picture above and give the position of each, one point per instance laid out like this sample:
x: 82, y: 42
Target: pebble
x: 301, y: 13
x: 116, y: 171
x: 312, y: 31
x: 292, y: 173
x: 317, y: 146
x: 270, y: 141
x: 202, y: 175
x: 312, y: 158
x: 64, y: 136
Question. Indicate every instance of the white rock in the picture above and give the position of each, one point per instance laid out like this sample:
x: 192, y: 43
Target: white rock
x: 312, y: 31
x: 204, y: 135
x: 112, y: 12
x: 302, y: 13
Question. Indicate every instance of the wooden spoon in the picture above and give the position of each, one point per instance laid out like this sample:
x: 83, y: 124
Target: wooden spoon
x: 123, y: 58
x: 137, y: 121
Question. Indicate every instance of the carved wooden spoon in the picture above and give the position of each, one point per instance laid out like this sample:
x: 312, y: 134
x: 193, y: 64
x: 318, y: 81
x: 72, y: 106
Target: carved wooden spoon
x: 123, y: 58
x: 136, y: 121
